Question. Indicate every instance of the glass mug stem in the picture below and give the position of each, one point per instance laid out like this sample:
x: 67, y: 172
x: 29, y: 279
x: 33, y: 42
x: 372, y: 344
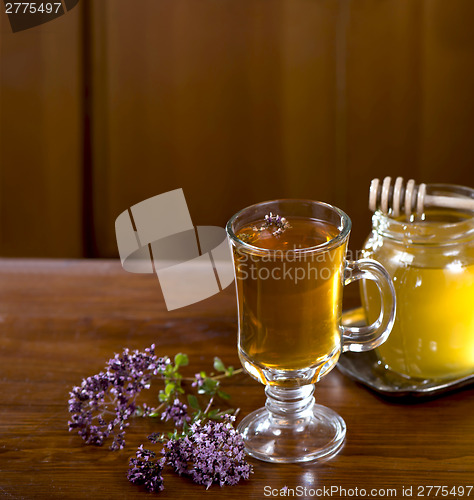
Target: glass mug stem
x: 292, y: 428
x: 290, y: 267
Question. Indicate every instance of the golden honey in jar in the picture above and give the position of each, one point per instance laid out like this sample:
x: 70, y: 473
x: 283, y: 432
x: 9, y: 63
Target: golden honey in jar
x: 431, y: 262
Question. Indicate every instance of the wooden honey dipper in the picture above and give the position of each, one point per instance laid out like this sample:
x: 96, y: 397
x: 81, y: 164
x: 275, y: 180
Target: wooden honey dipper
x: 412, y: 198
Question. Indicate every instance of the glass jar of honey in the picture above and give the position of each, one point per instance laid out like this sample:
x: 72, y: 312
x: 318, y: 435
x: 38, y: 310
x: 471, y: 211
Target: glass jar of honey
x: 431, y: 262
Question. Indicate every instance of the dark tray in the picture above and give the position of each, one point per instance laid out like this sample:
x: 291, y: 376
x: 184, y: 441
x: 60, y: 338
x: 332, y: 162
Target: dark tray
x: 366, y: 368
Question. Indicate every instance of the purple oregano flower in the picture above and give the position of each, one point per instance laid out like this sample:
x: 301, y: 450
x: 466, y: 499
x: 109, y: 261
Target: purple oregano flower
x: 102, y: 404
x: 146, y: 469
x: 178, y: 412
x: 213, y: 452
x: 198, y: 380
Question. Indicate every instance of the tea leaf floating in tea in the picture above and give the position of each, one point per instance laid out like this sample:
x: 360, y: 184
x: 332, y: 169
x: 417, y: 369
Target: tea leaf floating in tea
x: 277, y: 221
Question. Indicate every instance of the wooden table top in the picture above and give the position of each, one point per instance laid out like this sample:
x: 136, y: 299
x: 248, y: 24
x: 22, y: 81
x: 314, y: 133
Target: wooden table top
x: 62, y: 320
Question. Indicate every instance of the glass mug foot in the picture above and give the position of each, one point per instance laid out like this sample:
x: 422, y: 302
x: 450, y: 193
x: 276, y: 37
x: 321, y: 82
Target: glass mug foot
x: 292, y: 428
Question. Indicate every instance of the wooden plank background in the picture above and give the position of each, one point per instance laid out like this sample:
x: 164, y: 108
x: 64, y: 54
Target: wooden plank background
x: 41, y: 138
x: 235, y: 102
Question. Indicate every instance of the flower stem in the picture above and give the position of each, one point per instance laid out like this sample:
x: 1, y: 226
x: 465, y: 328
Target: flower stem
x: 208, y: 407
x: 217, y: 377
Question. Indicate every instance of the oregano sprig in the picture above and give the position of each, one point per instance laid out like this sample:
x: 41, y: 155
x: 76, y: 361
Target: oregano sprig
x: 203, y: 443
x: 103, y: 404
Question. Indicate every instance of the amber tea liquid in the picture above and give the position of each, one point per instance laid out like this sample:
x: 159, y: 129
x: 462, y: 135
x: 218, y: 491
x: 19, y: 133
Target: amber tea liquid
x: 289, y: 298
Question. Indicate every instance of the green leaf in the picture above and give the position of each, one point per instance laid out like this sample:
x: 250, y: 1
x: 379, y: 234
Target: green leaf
x: 223, y: 394
x: 197, y: 416
x: 230, y: 371
x: 169, y: 389
x: 219, y: 365
x: 193, y: 402
x: 180, y: 360
x: 162, y: 397
x: 213, y: 413
x: 209, y: 386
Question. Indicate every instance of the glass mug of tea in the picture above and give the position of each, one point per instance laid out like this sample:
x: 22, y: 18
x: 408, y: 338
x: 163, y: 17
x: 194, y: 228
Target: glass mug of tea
x: 290, y: 268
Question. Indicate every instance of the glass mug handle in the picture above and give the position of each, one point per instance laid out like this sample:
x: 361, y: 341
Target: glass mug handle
x: 365, y: 338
